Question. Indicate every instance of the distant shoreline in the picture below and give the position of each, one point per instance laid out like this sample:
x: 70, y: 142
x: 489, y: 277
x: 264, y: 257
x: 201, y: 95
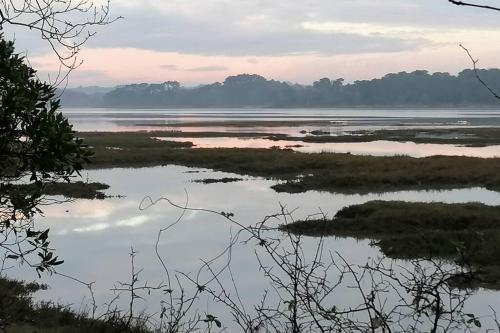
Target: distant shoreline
x: 417, y: 89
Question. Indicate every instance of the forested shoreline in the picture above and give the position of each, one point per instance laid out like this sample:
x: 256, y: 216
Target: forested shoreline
x: 416, y: 89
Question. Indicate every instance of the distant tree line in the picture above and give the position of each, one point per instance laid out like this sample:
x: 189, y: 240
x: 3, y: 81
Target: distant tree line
x: 418, y: 88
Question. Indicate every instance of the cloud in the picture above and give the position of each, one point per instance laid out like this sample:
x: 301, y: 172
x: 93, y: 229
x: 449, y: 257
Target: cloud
x: 237, y: 34
x: 83, y: 76
x: 276, y: 28
x: 207, y: 69
x: 93, y: 227
x: 170, y: 67
x: 130, y: 222
x: 133, y: 221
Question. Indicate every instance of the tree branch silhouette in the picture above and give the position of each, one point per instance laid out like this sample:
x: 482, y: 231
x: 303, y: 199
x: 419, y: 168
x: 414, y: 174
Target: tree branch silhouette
x: 476, y: 74
x: 469, y: 4
x: 65, y: 25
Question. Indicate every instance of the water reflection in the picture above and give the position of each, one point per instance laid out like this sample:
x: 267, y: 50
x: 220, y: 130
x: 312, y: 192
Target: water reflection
x: 94, y: 237
x: 376, y: 148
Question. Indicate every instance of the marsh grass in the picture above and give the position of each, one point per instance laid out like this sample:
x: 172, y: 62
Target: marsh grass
x: 129, y: 140
x: 299, y: 172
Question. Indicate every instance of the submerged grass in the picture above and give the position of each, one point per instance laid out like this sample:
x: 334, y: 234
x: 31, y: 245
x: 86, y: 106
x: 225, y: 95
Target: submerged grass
x: 300, y: 171
x: 467, y: 233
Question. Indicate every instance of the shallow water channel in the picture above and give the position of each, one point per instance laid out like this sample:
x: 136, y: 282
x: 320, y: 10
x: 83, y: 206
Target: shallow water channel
x: 375, y: 148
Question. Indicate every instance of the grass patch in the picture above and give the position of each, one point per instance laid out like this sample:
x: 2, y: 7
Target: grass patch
x: 77, y: 190
x: 300, y: 172
x: 130, y: 140
x: 465, y: 233
x: 20, y: 314
x: 392, y: 218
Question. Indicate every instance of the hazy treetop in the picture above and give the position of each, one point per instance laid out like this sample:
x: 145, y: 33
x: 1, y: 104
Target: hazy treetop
x: 417, y: 88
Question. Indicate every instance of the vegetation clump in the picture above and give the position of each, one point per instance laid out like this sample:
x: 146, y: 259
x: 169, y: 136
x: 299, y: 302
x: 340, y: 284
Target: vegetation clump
x: 219, y: 180
x: 20, y: 314
x: 76, y: 190
x: 37, y: 146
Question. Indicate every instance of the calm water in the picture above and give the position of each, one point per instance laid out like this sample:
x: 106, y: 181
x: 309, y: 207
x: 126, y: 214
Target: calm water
x: 95, y: 237
x: 335, y: 121
x: 351, y: 119
x: 376, y: 148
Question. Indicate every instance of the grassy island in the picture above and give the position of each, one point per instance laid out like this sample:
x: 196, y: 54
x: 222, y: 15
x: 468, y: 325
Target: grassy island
x: 467, y: 233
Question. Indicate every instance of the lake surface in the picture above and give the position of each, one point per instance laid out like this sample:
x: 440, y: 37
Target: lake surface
x: 94, y: 237
x: 88, y: 119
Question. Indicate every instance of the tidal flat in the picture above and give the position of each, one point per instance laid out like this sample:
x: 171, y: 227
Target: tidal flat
x: 295, y: 171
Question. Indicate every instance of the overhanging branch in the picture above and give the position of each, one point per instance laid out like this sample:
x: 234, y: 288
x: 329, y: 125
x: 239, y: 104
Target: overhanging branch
x: 478, y: 77
x: 462, y: 3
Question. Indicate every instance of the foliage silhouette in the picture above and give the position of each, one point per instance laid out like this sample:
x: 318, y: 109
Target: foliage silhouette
x: 37, y: 146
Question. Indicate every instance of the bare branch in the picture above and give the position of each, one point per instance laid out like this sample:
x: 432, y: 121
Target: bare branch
x: 65, y: 25
x: 462, y: 3
x: 474, y: 63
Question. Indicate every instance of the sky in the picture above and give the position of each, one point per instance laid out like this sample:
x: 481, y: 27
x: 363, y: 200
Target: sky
x: 204, y: 41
